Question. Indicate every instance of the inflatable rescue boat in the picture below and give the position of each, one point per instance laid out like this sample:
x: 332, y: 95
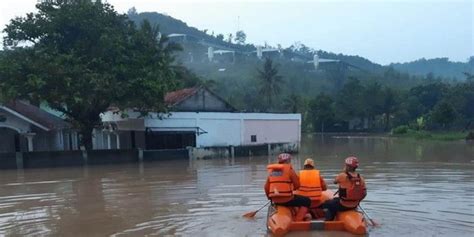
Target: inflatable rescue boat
x: 281, y: 220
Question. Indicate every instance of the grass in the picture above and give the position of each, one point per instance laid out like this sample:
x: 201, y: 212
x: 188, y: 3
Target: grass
x: 429, y: 135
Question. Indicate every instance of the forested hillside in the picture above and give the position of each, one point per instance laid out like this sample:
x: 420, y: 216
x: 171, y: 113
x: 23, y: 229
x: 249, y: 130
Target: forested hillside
x: 351, y: 93
x: 439, y: 67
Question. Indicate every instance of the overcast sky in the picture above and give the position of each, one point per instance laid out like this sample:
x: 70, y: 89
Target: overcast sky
x: 383, y: 31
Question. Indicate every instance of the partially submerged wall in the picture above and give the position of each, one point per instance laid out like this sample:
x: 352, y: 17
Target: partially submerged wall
x: 51, y: 159
x: 249, y: 150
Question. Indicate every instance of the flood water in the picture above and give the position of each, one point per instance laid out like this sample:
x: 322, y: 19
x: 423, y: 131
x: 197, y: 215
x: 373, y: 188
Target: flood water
x: 415, y: 188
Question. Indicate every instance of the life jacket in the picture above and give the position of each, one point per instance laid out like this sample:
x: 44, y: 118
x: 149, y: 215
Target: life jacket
x: 310, y: 184
x: 354, y: 190
x: 281, y: 186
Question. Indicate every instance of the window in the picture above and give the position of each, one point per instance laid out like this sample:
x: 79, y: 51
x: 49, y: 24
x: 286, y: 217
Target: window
x: 253, y: 138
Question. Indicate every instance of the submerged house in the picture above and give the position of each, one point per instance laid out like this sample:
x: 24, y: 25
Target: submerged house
x: 25, y: 127
x: 198, y: 118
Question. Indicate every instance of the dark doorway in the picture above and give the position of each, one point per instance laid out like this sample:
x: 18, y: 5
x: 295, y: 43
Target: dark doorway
x: 132, y: 137
x: 9, y: 140
x: 169, y: 139
x: 17, y: 143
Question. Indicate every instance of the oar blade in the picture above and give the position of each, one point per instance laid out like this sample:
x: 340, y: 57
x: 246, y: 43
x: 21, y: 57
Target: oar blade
x: 372, y: 222
x: 375, y: 224
x: 250, y: 214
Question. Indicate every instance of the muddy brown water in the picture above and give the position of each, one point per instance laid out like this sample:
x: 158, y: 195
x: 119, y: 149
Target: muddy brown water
x: 416, y: 188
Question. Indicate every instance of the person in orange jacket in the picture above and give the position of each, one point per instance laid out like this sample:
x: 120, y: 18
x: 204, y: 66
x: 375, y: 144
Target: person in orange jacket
x: 281, y: 182
x: 311, y: 183
x: 352, y: 190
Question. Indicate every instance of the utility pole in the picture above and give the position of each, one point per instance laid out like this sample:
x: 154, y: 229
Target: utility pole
x: 238, y: 23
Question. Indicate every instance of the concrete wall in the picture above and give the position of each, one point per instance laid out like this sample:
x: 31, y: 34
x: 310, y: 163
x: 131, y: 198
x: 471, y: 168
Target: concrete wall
x: 47, y: 159
x: 271, y: 131
x: 155, y: 155
x: 220, y: 132
x: 257, y: 150
x: 8, y: 160
x: 51, y: 159
x: 246, y: 150
x: 103, y: 157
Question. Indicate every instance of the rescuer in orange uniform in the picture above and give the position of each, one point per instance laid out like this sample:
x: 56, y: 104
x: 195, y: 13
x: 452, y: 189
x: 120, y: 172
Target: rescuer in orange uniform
x: 351, y: 190
x: 311, y: 183
x: 281, y: 182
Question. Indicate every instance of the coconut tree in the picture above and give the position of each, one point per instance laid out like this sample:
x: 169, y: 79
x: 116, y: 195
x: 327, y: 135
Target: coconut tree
x: 270, y: 82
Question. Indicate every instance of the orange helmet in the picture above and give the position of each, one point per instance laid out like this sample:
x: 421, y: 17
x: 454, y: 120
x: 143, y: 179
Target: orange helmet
x: 352, y: 161
x: 284, y: 157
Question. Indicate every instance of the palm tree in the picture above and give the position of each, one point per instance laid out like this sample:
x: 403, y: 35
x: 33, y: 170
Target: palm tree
x: 389, y: 105
x: 270, y: 81
x: 469, y: 76
x: 293, y: 103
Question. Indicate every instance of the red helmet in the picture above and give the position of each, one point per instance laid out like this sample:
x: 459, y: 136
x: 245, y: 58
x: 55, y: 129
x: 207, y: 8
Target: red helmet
x: 352, y: 161
x: 284, y: 157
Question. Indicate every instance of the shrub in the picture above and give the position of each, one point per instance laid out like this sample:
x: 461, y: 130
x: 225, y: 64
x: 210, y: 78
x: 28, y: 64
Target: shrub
x: 402, y: 129
x: 470, y: 136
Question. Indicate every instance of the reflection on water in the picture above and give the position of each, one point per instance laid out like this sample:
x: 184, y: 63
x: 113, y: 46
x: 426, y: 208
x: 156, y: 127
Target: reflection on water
x: 416, y: 188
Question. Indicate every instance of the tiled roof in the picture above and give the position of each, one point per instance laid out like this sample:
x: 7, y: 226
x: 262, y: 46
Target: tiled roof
x: 175, y: 97
x: 38, y: 115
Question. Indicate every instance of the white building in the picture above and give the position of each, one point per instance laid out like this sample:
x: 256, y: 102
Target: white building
x: 200, y: 118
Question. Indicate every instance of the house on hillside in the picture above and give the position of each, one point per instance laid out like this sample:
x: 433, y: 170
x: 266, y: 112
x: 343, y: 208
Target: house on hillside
x: 198, y: 118
x: 24, y: 127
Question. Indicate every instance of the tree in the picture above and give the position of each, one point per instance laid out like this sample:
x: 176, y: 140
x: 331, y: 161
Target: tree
x: 229, y: 38
x: 389, y: 105
x: 429, y: 95
x: 186, y: 77
x: 430, y: 77
x: 220, y: 37
x: 240, y: 37
x: 270, y: 81
x: 132, y: 11
x: 443, y: 113
x: 373, y: 100
x: 461, y: 97
x: 321, y: 111
x: 469, y: 76
x: 81, y: 57
x: 293, y: 103
x: 350, y: 103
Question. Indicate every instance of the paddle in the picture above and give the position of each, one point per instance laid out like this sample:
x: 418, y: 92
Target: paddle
x: 252, y: 214
x: 368, y: 217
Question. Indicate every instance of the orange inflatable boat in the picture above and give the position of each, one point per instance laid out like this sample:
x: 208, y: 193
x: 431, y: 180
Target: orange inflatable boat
x: 280, y: 220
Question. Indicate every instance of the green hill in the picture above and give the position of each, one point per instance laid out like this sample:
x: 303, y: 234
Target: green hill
x: 169, y: 25
x: 439, y: 67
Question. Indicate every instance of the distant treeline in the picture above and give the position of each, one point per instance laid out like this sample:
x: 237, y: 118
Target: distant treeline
x: 437, y: 67
x: 433, y: 105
